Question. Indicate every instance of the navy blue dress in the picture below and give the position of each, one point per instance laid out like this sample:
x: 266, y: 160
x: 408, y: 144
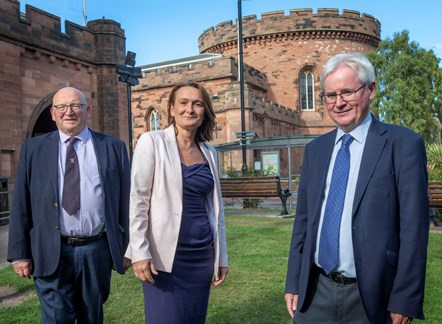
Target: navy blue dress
x: 182, y: 296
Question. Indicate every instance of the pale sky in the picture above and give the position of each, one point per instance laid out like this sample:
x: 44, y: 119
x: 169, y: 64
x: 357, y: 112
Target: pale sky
x: 161, y: 30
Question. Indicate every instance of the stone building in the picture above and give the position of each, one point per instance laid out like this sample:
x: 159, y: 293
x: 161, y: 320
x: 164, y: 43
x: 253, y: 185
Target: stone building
x: 37, y: 58
x: 283, y: 56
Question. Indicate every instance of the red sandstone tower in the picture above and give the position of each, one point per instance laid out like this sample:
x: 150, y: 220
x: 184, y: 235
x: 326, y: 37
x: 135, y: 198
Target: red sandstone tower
x: 283, y: 58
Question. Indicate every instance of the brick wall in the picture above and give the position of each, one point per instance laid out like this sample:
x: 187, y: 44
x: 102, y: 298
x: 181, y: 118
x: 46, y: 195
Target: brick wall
x: 281, y: 46
x: 37, y: 59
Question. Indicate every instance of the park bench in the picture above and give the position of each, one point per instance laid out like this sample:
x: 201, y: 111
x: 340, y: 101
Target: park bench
x: 435, y: 194
x: 255, y: 187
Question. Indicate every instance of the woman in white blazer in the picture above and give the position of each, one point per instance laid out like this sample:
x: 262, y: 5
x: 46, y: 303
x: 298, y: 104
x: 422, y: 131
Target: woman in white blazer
x: 177, y: 231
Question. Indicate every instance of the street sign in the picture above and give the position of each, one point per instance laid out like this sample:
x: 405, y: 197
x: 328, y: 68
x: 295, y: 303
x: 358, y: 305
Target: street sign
x: 246, y: 134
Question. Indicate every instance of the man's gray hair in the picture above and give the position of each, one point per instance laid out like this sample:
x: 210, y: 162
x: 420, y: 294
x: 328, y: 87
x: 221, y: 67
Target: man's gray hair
x: 357, y: 61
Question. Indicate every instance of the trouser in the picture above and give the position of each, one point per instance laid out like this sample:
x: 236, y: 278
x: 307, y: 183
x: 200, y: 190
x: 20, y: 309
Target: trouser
x: 80, y: 285
x: 331, y: 302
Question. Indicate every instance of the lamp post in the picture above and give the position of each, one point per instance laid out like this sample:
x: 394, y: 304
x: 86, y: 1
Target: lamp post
x: 129, y: 74
x: 241, y: 90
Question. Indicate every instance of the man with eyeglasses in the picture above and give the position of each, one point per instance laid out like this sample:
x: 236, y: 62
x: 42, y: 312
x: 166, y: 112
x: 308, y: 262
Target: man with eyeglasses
x: 69, y: 221
x: 359, y: 242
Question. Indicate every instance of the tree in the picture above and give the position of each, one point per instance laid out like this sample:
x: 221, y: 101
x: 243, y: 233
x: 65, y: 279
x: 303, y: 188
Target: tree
x: 409, y: 85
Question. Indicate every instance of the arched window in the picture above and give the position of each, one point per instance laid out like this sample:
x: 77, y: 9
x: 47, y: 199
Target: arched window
x: 306, y: 84
x: 154, y: 120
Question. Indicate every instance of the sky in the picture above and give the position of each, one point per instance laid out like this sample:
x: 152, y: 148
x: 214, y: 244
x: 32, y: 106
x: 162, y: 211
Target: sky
x: 161, y: 30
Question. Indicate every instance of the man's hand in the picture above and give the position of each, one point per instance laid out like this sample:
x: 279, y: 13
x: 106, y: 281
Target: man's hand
x: 291, y: 302
x: 222, y: 273
x: 144, y: 269
x: 400, y: 319
x: 23, y: 269
x: 126, y: 263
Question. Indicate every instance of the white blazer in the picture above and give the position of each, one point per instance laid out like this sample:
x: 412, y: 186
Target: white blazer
x: 156, y: 201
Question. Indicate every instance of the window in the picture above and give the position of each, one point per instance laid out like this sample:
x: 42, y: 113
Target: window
x: 306, y: 82
x: 154, y: 120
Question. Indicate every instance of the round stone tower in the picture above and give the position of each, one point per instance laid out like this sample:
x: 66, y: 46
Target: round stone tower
x: 285, y: 48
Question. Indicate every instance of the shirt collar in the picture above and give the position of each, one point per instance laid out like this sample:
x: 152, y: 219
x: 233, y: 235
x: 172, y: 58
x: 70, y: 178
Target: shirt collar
x: 84, y: 135
x: 359, y: 133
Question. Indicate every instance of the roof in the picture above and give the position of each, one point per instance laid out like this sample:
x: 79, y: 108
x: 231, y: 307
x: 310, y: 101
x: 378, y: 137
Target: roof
x: 268, y: 142
x: 183, y: 60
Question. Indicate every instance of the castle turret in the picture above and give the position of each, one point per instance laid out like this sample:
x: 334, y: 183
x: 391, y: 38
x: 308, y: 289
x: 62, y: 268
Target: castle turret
x: 281, y: 46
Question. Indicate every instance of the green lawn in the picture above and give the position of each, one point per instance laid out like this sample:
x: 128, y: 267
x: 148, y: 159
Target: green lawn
x: 253, y: 291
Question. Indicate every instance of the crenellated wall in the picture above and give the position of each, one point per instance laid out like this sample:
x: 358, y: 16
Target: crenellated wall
x: 219, y: 76
x: 42, y: 31
x: 277, y: 49
x: 282, y: 46
x: 37, y: 59
x: 300, y: 24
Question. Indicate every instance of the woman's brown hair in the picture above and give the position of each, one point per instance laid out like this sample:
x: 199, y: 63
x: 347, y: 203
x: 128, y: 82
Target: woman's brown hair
x: 205, y: 130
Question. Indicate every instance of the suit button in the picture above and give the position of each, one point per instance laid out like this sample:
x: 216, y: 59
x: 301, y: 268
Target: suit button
x: 56, y: 205
x: 57, y: 227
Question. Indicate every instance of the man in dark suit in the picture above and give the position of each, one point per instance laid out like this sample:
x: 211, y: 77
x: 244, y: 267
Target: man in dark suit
x: 368, y: 264
x: 69, y: 222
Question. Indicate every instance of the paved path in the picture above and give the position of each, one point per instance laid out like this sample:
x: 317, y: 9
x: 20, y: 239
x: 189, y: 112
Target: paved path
x: 3, y: 244
x: 436, y: 229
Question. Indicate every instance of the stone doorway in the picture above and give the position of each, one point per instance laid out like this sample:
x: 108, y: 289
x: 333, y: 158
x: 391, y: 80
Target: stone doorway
x: 44, y: 123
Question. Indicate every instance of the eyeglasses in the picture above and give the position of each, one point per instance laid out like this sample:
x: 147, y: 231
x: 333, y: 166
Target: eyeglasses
x: 76, y: 107
x: 346, y: 95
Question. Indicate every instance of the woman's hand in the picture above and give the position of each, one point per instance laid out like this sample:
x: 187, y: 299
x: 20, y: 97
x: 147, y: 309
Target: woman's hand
x: 144, y: 269
x: 222, y: 273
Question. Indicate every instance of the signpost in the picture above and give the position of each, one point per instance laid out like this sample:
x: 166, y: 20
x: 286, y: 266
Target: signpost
x: 129, y: 74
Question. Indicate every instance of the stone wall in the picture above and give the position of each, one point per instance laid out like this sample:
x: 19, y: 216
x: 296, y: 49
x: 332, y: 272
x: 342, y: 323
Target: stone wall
x: 37, y: 58
x: 280, y: 47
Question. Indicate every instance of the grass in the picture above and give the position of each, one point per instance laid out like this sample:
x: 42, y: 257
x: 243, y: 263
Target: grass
x: 253, y: 291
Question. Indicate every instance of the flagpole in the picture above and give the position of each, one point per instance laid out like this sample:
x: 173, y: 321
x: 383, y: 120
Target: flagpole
x: 84, y: 13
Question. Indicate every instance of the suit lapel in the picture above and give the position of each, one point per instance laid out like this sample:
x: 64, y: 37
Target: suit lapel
x: 53, y: 156
x: 101, y: 153
x: 373, y: 149
x: 174, y: 156
x: 322, y: 160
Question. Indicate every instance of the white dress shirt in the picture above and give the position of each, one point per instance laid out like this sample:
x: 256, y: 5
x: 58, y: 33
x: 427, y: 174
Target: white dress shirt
x: 346, y: 259
x: 89, y: 219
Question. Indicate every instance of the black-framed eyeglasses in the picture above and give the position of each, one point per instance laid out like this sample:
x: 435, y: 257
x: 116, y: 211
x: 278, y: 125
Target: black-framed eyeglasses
x: 346, y: 95
x: 62, y: 108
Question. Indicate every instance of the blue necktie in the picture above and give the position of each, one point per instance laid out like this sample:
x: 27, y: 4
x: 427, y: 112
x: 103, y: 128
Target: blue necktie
x: 329, y: 240
x: 71, y: 187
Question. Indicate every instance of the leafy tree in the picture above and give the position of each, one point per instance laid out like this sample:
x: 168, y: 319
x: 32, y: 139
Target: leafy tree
x: 409, y: 85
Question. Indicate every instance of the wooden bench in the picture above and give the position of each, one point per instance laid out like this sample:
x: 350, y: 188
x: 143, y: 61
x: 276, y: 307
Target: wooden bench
x: 255, y: 187
x: 435, y: 194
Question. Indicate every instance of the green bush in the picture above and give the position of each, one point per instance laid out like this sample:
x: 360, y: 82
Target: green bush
x: 434, y: 165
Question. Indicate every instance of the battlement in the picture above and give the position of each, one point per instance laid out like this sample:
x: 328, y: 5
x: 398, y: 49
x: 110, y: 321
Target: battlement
x: 202, y: 70
x: 326, y: 23
x: 272, y: 109
x: 41, y: 31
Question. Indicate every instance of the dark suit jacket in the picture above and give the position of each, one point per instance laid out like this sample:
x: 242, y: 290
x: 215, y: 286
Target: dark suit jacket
x: 34, y: 229
x: 389, y: 221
